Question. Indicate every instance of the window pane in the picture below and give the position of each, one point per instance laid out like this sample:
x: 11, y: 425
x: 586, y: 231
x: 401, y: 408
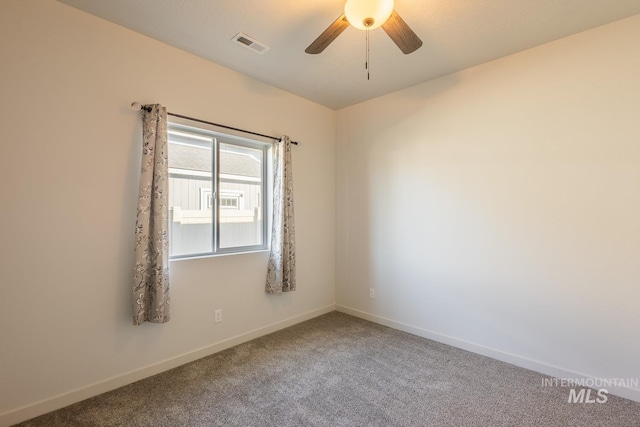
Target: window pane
x: 241, y: 206
x: 190, y: 193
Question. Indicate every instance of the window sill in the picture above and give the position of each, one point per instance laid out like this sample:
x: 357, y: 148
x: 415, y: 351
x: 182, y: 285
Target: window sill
x: 223, y: 254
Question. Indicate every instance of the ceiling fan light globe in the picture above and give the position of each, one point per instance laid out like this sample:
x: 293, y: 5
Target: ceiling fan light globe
x: 359, y: 11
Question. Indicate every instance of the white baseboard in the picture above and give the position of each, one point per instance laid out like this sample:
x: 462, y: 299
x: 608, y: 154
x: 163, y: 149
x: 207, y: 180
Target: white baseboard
x: 60, y: 401
x: 523, y: 362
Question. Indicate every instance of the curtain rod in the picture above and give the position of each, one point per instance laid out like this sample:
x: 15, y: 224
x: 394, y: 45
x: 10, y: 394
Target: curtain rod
x: 136, y: 106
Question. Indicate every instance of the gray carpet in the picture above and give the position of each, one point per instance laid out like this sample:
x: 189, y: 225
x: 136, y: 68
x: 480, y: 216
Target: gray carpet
x: 337, y: 370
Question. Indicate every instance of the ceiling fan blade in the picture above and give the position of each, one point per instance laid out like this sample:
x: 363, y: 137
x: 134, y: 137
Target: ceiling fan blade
x: 329, y: 35
x: 401, y: 34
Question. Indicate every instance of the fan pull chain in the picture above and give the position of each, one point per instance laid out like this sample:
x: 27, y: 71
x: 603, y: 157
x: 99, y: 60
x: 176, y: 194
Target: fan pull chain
x: 366, y: 64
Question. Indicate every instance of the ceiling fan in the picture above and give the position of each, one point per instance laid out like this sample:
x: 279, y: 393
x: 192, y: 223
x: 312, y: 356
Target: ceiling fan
x: 368, y: 15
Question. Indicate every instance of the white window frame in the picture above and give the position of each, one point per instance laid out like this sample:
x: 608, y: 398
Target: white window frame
x: 265, y: 199
x: 206, y: 198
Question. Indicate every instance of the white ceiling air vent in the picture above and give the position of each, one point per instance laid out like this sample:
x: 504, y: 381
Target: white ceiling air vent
x: 250, y: 43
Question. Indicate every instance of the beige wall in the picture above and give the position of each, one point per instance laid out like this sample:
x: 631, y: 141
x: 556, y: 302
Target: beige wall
x: 498, y: 208
x: 69, y: 166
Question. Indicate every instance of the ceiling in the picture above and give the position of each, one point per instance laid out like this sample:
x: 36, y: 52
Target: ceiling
x: 457, y: 34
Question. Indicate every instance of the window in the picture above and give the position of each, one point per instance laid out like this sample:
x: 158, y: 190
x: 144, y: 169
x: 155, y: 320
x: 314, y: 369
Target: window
x: 230, y: 200
x: 217, y: 187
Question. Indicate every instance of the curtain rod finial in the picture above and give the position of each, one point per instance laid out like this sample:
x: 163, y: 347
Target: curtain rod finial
x: 136, y: 106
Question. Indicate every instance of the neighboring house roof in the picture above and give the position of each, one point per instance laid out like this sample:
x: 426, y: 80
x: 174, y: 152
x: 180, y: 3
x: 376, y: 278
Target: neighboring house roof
x: 239, y: 164
x: 189, y: 157
x: 196, y: 158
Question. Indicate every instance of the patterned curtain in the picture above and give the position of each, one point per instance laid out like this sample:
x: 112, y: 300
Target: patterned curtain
x: 151, y: 273
x: 281, y: 273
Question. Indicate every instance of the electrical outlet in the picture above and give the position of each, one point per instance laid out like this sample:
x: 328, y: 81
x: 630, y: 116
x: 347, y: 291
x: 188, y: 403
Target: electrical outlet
x: 218, y: 316
x: 372, y: 293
